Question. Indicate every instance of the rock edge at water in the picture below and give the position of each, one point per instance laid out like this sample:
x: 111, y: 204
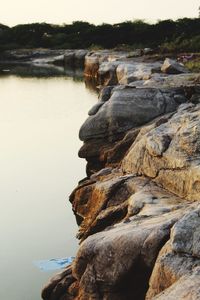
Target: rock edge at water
x: 138, y: 209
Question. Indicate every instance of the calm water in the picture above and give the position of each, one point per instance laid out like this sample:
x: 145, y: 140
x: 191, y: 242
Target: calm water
x: 39, y: 167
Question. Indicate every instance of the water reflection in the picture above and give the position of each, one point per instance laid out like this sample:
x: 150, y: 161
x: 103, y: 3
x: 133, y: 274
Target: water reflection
x: 47, y: 70
x: 91, y: 84
x: 40, y: 117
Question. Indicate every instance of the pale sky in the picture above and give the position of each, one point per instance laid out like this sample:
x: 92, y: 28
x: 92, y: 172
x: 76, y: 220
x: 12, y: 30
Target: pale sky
x: 14, y: 12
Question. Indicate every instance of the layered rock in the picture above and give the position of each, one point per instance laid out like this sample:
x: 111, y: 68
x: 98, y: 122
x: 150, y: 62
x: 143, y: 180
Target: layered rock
x: 127, y: 108
x: 138, y: 208
x: 169, y: 153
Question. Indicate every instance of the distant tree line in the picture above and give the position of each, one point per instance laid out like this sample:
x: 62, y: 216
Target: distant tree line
x: 167, y: 35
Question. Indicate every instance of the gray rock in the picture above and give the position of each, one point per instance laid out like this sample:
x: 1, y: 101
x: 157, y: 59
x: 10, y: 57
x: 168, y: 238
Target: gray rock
x: 55, y: 60
x: 147, y: 51
x: 128, y: 108
x: 69, y: 58
x: 129, y: 72
x: 94, y: 59
x: 105, y: 93
x: 169, y: 153
x: 185, y: 236
x: 173, y: 67
x: 95, y: 108
x: 80, y: 57
x: 107, y: 73
x: 185, y: 288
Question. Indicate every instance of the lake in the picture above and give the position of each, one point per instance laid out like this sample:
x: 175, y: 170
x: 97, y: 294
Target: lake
x: 39, y: 167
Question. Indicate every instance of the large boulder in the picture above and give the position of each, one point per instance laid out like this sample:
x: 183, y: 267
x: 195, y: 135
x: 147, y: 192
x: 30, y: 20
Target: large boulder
x: 133, y: 71
x: 169, y: 153
x: 118, y: 262
x: 107, y: 73
x: 94, y: 59
x: 171, y: 66
x: 128, y: 108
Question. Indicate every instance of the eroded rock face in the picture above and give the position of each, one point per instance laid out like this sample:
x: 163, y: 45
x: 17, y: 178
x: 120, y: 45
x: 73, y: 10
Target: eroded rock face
x: 137, y: 210
x: 169, y: 153
x: 126, y: 109
x: 58, y: 286
x: 176, y: 272
x: 120, y: 259
x: 94, y: 60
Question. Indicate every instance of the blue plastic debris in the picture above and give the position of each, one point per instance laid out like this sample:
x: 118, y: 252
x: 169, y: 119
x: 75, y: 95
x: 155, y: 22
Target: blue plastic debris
x: 54, y: 264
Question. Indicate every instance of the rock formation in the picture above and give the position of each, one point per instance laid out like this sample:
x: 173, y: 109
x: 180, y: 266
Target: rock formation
x: 138, y: 208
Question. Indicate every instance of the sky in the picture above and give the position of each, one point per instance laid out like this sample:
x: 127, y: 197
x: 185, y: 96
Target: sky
x: 14, y: 12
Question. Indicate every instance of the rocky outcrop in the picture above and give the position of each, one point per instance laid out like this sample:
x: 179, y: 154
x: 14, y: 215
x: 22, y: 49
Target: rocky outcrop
x: 40, y: 57
x: 129, y: 72
x: 138, y: 208
x: 75, y: 58
x: 127, y: 108
x: 104, y: 60
x: 169, y: 153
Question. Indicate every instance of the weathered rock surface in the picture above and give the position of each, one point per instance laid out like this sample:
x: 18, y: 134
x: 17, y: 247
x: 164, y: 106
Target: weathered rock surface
x: 138, y: 209
x: 72, y: 58
x: 134, y: 71
x: 119, y: 260
x: 57, y: 287
x: 176, y: 272
x: 167, y: 81
x: 126, y: 109
x: 172, y: 67
x: 93, y: 61
x: 107, y: 73
x: 75, y: 58
x: 169, y: 153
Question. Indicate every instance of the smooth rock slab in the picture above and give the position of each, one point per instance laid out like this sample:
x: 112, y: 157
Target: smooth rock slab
x: 128, y: 108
